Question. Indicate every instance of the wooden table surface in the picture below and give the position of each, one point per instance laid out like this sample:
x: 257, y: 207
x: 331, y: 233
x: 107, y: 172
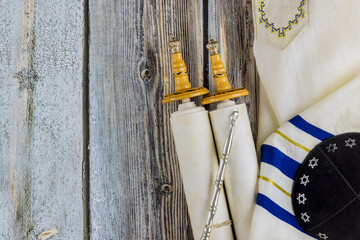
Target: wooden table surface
x: 85, y: 144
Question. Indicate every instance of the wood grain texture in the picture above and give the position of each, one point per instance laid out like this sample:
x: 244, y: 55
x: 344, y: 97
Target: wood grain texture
x: 231, y: 23
x: 135, y: 184
x: 41, y: 132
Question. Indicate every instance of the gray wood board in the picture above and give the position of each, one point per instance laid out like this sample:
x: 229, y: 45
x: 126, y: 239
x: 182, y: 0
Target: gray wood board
x: 135, y: 182
x: 136, y: 190
x: 41, y: 130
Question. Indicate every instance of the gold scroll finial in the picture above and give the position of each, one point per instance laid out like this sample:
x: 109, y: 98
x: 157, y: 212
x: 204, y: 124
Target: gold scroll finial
x: 174, y: 45
x: 213, y: 47
x: 183, y: 88
x: 223, y: 90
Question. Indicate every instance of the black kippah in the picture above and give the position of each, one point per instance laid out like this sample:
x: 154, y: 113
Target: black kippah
x: 326, y: 191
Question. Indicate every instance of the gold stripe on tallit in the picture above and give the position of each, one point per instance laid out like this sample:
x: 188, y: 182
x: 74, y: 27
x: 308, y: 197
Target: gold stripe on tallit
x: 275, y: 184
x: 292, y: 141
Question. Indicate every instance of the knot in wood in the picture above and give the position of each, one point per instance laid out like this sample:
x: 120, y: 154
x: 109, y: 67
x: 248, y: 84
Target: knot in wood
x: 166, y: 188
x: 147, y: 67
x: 146, y: 74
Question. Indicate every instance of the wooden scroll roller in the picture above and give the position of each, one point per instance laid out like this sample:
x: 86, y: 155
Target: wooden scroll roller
x: 242, y: 174
x: 196, y: 152
x: 223, y: 90
x: 183, y: 88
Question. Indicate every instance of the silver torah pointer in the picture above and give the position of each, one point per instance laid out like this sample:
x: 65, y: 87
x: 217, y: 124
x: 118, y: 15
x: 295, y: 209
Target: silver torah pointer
x: 220, y: 177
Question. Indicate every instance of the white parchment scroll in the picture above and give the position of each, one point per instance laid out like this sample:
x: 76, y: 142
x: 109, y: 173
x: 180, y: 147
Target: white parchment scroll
x: 198, y: 165
x: 242, y: 168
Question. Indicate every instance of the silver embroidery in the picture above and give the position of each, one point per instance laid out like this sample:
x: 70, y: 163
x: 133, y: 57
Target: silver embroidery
x: 331, y: 147
x: 304, y: 180
x: 301, y: 198
x: 313, y: 162
x: 305, y: 217
x: 322, y: 236
x: 350, y: 143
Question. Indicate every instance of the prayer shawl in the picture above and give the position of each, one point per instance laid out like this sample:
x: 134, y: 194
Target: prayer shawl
x: 284, y: 151
x: 304, y: 51
x: 308, y: 58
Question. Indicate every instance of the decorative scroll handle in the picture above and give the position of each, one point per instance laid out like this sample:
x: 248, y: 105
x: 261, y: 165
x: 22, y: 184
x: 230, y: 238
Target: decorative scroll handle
x: 223, y: 90
x: 220, y: 177
x: 183, y: 89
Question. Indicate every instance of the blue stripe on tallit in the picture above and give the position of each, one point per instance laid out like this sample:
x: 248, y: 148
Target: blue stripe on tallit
x: 314, y: 131
x: 278, y: 159
x: 277, y: 211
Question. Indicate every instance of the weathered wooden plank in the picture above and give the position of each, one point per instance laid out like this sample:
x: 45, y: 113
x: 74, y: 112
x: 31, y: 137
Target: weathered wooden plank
x: 136, y: 190
x: 231, y: 23
x: 41, y: 147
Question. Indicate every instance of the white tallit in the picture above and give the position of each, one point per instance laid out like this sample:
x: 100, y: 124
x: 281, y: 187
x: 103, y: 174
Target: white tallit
x: 284, y: 151
x: 317, y: 56
x: 309, y: 85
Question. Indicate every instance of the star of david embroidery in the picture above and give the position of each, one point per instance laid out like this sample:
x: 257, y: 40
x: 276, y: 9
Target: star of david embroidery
x: 331, y: 147
x: 301, y: 198
x: 313, y: 162
x: 350, y: 143
x: 305, y: 217
x: 322, y: 236
x: 304, y: 180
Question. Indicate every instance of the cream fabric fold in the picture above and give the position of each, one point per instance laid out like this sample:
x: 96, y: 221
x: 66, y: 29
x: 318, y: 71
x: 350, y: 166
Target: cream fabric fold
x: 323, y: 56
x: 242, y: 168
x: 198, y: 166
x: 336, y: 114
x: 268, y: 122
